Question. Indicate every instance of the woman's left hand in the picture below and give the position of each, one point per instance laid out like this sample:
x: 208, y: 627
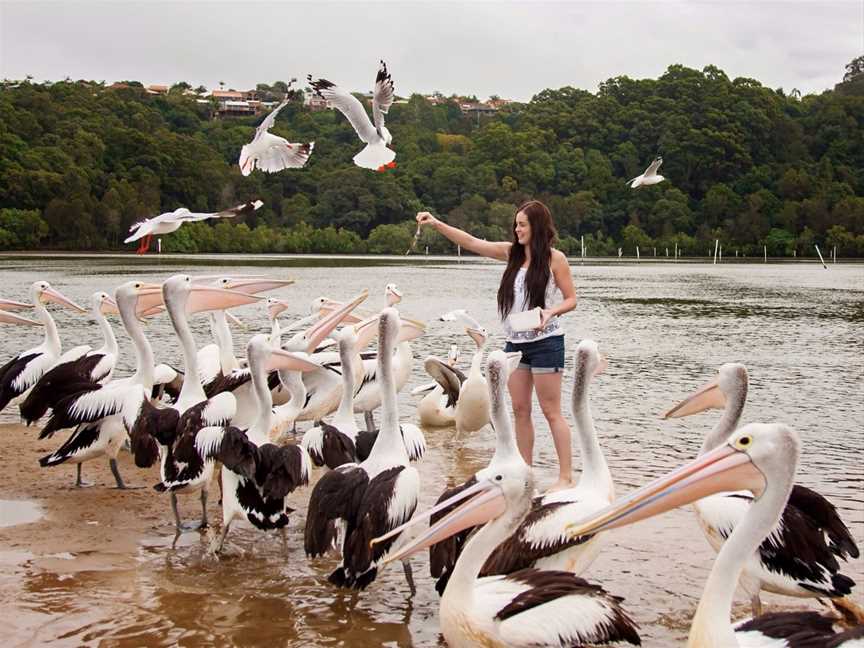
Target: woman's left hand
x: 545, y: 315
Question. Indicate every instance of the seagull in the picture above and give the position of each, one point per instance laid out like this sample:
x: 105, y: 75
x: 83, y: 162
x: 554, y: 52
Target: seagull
x: 376, y: 155
x: 272, y: 153
x: 650, y: 176
x: 171, y: 221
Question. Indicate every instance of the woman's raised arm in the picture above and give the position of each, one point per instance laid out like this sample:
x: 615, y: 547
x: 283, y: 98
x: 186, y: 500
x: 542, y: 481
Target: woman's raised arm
x: 492, y: 249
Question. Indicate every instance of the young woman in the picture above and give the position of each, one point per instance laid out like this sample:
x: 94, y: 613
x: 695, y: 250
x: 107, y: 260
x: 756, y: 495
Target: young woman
x: 535, y: 273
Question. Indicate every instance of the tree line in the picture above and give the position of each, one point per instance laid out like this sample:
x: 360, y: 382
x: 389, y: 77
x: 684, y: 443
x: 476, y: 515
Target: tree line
x: 745, y: 164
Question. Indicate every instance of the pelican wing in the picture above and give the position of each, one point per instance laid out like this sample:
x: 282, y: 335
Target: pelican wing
x: 382, y: 96
x: 448, y: 377
x: 349, y: 106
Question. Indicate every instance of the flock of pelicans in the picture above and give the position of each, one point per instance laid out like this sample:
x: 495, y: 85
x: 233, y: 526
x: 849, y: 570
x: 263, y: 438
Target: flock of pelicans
x: 507, y: 560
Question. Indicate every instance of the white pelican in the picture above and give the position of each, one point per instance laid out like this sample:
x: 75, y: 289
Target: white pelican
x: 92, y: 366
x: 540, y: 540
x: 97, y: 409
x: 650, y: 177
x: 369, y: 498
x: 530, y: 607
x: 257, y: 475
x: 272, y: 153
x: 333, y: 444
x: 472, y: 408
x: 24, y: 370
x: 799, y: 558
x: 376, y: 155
x: 171, y: 221
x: 760, y: 458
x: 438, y: 407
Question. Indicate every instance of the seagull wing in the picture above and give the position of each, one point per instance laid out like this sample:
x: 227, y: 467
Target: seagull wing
x: 461, y: 315
x: 349, y: 106
x: 269, y: 120
x: 652, y: 168
x: 245, y: 208
x: 382, y: 96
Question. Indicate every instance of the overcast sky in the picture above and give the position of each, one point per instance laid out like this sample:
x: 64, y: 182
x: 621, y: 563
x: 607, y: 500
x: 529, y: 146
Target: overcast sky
x: 483, y: 48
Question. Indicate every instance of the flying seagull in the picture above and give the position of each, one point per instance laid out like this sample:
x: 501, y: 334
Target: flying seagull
x: 650, y: 176
x: 376, y: 155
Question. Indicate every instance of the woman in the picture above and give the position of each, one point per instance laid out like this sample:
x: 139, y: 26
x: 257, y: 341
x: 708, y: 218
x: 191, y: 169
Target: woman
x: 535, y: 272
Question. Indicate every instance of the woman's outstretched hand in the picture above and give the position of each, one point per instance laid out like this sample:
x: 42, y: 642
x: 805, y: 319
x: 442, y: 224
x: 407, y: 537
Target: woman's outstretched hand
x: 425, y: 218
x: 545, y: 315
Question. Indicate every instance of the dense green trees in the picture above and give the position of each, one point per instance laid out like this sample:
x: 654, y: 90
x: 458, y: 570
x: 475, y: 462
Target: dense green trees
x: 80, y: 162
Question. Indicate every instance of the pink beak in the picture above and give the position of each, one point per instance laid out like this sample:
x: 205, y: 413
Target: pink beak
x: 253, y: 286
x: 109, y: 306
x: 12, y: 318
x: 321, y: 329
x: 285, y: 360
x: 56, y: 296
x: 207, y: 298
x: 706, y: 397
x: 11, y: 305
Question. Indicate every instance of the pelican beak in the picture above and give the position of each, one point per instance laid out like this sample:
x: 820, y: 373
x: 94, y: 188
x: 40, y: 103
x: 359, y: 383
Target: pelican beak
x: 321, y: 329
x: 424, y: 389
x: 330, y: 305
x: 723, y: 469
x: 410, y: 329
x: 109, y: 306
x: 705, y: 397
x: 394, y: 295
x: 602, y: 365
x: 207, y: 298
x: 236, y: 321
x: 57, y: 297
x: 150, y: 301
x: 12, y: 318
x: 365, y: 331
x: 253, y: 286
x: 477, y: 335
x: 284, y: 360
x: 12, y: 305
x: 276, y: 307
x: 486, y: 502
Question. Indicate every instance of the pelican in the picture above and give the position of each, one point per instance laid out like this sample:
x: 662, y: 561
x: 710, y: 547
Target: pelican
x: 10, y: 305
x: 650, y: 177
x: 105, y: 413
x: 170, y: 222
x: 372, y: 497
x: 334, y: 444
x: 799, y: 557
x: 438, y: 407
x: 530, y: 607
x: 24, y: 370
x: 257, y: 475
x: 272, y: 153
x: 540, y: 540
x: 92, y: 366
x: 11, y: 318
x: 472, y: 408
x: 759, y: 458
x: 376, y: 155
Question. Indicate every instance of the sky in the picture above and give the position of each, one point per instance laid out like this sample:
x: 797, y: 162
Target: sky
x: 510, y: 49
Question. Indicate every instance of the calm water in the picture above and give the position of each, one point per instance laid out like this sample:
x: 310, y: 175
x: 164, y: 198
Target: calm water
x: 665, y: 329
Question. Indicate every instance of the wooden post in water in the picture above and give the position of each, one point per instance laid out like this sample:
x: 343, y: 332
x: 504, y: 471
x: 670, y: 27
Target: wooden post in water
x: 820, y: 256
x: 716, y: 245
x: 667, y: 253
x: 720, y: 258
x: 459, y: 252
x: 582, y: 238
x: 835, y: 255
x: 765, y: 253
x: 158, y: 246
x: 637, y: 252
x: 619, y: 253
x: 427, y: 250
x: 655, y: 251
x: 676, y: 250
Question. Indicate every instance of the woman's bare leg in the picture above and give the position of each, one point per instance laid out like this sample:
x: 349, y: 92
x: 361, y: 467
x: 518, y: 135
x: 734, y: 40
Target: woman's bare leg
x: 520, y: 385
x: 548, y: 386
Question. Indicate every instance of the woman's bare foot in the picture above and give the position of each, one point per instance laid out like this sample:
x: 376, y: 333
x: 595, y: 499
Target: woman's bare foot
x: 561, y: 484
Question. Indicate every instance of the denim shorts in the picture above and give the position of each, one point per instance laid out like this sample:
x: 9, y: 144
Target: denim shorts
x: 543, y: 356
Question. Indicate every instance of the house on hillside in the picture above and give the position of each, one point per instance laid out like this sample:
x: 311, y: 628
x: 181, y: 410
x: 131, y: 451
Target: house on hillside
x: 157, y: 89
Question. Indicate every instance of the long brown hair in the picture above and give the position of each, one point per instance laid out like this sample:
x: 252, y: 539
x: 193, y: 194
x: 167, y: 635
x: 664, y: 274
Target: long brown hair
x: 543, y: 235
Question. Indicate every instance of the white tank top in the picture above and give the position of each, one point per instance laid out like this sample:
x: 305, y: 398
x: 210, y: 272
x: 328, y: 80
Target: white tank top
x: 520, y: 304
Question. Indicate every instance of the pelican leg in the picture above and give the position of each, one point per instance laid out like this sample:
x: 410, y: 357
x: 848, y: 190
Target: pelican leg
x: 283, y: 532
x: 222, y: 535
x: 177, y: 523
x: 409, y: 575
x: 80, y: 483
x: 204, y: 523
x: 370, y: 421
x: 121, y: 485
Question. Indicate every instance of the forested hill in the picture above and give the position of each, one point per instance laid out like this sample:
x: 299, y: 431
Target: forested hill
x: 80, y: 162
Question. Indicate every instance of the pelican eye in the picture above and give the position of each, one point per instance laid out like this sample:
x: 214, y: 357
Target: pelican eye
x: 745, y: 442
x: 498, y: 478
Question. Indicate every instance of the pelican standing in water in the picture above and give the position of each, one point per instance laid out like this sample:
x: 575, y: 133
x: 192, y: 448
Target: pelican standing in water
x: 800, y: 557
x: 372, y: 497
x: 530, y: 607
x: 438, y: 407
x: 472, y: 408
x: 762, y: 459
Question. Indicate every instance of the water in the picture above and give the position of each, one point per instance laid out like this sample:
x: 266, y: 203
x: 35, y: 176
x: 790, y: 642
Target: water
x: 15, y: 512
x: 665, y: 329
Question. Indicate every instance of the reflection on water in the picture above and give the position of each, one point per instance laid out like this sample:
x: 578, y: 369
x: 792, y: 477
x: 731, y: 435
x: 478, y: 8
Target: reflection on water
x: 14, y: 512
x: 665, y: 328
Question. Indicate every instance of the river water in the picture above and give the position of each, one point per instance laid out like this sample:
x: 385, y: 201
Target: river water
x: 665, y: 329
